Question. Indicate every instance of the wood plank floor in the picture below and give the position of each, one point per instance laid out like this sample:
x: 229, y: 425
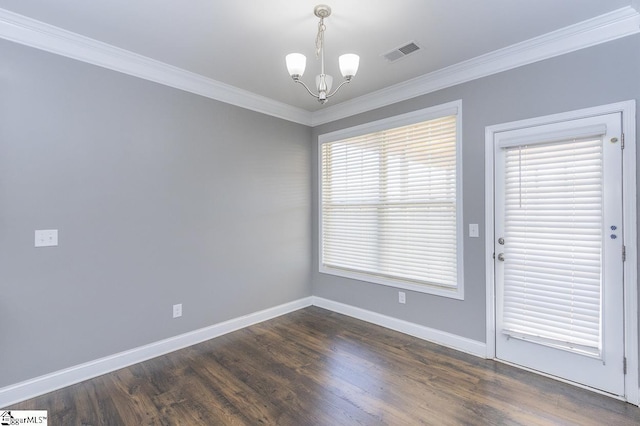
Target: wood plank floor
x: 316, y: 367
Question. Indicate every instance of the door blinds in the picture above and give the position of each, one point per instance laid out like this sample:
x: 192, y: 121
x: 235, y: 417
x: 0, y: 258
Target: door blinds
x: 553, y: 243
x: 389, y: 203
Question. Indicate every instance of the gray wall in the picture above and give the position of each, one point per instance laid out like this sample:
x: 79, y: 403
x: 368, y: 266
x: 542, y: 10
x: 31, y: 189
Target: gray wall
x: 599, y: 75
x: 159, y: 196
x: 165, y: 197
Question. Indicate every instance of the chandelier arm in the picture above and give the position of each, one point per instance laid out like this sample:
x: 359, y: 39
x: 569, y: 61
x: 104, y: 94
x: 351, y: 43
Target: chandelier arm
x: 338, y: 88
x: 306, y: 87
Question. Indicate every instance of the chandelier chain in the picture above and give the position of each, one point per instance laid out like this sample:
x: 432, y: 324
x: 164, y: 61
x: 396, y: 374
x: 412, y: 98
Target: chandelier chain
x: 320, y: 37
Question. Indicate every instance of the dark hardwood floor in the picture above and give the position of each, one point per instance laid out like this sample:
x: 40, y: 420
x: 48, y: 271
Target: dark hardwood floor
x: 315, y: 367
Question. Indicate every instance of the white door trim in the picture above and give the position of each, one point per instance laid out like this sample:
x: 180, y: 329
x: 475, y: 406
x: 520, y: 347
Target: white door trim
x: 628, y: 110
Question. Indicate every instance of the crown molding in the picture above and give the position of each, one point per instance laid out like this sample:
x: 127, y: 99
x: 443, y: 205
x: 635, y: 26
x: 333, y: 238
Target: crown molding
x: 30, y: 32
x: 601, y: 29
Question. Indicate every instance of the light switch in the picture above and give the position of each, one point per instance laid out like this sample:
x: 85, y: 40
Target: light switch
x: 46, y: 237
x: 474, y: 230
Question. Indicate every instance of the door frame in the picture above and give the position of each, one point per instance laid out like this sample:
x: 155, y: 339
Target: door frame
x: 630, y: 268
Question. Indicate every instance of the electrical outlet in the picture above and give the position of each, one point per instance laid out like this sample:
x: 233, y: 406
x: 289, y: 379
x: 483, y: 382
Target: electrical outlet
x: 402, y: 297
x: 177, y: 310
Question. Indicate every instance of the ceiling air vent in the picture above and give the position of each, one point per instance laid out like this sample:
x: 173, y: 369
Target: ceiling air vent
x: 401, y: 52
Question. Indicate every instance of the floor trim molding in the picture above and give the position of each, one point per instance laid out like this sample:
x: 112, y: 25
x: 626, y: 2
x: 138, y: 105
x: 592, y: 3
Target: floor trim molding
x: 49, y: 382
x: 443, y: 338
x: 31, y: 388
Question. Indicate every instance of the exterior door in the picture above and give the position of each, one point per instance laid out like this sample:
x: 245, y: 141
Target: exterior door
x: 559, y: 250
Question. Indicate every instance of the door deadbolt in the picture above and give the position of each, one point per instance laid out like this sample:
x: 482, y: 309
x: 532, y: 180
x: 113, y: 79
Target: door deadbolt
x: 501, y: 241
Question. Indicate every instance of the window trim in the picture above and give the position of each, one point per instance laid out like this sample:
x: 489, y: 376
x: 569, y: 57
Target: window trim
x: 431, y: 113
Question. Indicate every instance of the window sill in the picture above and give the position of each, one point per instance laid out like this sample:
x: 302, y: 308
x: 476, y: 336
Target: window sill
x: 449, y: 292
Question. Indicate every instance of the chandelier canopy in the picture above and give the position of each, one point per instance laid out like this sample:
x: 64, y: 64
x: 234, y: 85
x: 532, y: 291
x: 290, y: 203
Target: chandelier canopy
x: 296, y: 62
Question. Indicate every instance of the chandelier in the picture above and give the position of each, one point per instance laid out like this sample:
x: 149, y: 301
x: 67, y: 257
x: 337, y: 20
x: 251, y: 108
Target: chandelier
x: 296, y: 62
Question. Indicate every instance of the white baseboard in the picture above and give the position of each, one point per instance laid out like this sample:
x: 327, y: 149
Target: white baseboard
x: 453, y: 341
x: 49, y: 382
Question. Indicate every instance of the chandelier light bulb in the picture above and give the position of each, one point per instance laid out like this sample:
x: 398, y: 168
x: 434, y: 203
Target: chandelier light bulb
x: 349, y: 65
x: 296, y: 63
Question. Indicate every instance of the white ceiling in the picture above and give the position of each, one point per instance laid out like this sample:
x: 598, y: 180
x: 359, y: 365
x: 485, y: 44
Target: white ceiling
x: 242, y: 43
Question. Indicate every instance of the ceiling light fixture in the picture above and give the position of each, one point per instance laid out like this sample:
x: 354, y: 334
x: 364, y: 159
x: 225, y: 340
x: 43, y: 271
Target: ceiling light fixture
x: 296, y: 62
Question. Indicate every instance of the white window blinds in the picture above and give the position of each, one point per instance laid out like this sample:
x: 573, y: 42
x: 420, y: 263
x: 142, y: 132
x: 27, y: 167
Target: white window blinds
x: 553, y: 243
x: 388, y: 204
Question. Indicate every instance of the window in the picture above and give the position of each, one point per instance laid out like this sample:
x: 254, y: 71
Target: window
x: 390, y: 202
x: 554, y: 217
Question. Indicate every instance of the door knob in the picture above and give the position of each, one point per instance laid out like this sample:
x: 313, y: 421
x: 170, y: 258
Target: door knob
x: 501, y: 257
